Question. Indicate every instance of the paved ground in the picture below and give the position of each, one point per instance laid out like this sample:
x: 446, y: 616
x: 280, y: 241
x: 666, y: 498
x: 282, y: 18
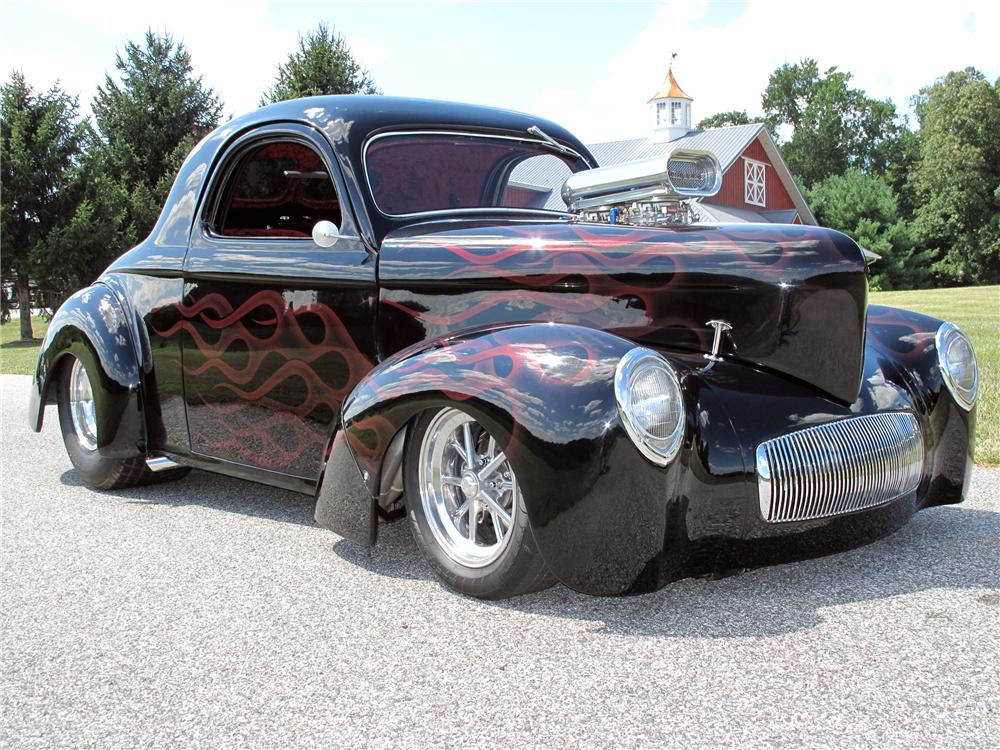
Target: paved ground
x: 213, y: 613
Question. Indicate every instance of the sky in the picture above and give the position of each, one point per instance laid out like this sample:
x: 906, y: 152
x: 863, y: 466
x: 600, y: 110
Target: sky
x: 588, y: 66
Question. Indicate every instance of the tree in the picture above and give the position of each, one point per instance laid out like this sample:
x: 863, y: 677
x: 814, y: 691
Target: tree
x: 956, y: 182
x: 148, y: 120
x: 897, y: 175
x: 833, y: 127
x: 865, y: 208
x: 92, y: 233
x: 40, y: 152
x: 722, y: 119
x: 323, y: 64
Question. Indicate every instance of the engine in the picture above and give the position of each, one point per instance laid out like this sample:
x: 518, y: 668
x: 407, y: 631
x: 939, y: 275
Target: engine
x: 653, y: 192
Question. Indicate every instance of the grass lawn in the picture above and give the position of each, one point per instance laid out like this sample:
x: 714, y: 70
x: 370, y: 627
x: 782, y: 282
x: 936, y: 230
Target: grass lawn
x: 976, y: 310
x: 19, y: 357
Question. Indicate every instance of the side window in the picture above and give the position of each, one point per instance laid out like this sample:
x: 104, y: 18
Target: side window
x: 276, y: 190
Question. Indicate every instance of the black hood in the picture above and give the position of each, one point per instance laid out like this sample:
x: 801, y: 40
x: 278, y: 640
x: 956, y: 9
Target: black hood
x: 794, y: 295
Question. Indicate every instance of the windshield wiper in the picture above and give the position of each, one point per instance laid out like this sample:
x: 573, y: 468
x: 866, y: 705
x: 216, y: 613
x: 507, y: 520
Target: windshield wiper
x: 553, y: 144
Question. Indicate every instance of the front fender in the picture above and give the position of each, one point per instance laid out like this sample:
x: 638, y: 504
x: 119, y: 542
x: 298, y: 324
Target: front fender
x: 93, y: 327
x: 546, y: 393
x: 605, y: 519
x: 907, y: 340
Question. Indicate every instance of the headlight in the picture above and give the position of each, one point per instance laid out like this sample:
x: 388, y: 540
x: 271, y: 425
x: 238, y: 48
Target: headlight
x: 650, y: 404
x: 958, y: 364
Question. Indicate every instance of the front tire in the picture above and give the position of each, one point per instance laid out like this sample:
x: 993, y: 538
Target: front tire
x: 78, y: 421
x: 466, y: 509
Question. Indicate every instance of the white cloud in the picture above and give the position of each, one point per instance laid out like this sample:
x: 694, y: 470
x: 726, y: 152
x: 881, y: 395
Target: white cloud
x: 892, y: 49
x: 235, y: 45
x: 366, y: 51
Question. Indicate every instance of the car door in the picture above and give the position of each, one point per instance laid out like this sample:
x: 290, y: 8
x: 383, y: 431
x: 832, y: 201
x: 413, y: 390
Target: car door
x: 280, y: 327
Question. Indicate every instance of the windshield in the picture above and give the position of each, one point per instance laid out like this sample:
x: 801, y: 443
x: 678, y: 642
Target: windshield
x: 412, y: 173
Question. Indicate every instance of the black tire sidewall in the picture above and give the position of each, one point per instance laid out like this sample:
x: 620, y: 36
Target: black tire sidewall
x: 519, y: 568
x: 92, y: 467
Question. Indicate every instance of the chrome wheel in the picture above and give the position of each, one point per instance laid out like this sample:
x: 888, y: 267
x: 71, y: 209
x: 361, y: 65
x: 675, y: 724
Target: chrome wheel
x: 81, y: 407
x: 467, y: 489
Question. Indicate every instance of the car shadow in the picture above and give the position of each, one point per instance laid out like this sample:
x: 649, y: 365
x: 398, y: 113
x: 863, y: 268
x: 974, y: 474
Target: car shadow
x: 217, y: 492
x: 394, y: 555
x: 948, y: 547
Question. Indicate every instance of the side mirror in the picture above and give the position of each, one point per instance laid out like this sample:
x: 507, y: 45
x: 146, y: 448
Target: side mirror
x: 326, y: 233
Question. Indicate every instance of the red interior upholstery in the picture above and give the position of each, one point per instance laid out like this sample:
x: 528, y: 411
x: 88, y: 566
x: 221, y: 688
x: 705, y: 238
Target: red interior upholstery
x: 264, y: 200
x: 264, y: 232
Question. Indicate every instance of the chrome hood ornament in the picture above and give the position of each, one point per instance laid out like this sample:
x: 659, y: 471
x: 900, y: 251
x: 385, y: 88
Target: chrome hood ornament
x: 721, y: 327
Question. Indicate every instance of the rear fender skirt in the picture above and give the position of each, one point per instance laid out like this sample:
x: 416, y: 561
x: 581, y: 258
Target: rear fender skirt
x: 92, y: 326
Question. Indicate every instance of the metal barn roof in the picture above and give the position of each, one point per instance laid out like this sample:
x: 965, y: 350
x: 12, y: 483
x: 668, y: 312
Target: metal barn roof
x: 546, y: 174
x: 726, y: 143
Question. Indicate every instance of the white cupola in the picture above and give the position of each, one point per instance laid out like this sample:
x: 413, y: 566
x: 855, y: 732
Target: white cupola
x: 669, y: 111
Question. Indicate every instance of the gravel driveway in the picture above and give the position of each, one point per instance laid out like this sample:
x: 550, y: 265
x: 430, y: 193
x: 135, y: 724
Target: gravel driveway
x: 212, y: 613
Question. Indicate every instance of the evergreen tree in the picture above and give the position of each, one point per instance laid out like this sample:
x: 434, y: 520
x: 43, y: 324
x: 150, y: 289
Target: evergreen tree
x: 148, y: 120
x: 323, y: 64
x: 956, y: 182
x: 41, y: 143
x: 93, y: 231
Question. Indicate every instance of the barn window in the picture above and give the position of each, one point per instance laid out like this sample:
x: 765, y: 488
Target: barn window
x: 754, y: 185
x: 661, y: 113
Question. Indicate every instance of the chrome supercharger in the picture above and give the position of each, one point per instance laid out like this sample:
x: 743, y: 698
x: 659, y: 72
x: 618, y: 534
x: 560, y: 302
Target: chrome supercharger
x: 652, y: 192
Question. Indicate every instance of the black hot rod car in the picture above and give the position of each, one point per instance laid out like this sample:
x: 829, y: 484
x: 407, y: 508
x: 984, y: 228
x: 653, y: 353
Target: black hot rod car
x: 357, y: 299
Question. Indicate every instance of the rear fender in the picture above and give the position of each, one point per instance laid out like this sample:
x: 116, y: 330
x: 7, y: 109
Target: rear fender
x: 93, y: 327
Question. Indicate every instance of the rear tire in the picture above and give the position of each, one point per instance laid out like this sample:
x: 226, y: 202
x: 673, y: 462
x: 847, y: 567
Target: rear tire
x: 78, y: 422
x: 445, y: 492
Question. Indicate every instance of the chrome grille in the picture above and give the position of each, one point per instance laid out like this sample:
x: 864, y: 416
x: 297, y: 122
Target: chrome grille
x: 839, y: 467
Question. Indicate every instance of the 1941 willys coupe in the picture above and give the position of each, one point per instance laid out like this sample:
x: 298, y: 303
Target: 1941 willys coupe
x: 356, y: 298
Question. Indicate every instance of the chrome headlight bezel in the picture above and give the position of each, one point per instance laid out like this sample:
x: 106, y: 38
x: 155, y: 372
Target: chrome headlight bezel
x: 945, y: 338
x: 660, y: 450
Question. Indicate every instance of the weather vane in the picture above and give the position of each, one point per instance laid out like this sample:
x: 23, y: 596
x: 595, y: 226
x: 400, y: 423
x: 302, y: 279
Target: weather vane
x: 672, y: 56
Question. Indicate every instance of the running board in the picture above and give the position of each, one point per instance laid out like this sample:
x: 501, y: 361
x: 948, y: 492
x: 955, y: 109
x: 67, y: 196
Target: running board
x: 160, y: 463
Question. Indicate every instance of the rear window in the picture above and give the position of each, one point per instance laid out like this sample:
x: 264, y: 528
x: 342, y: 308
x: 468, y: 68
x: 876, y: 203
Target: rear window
x: 414, y: 173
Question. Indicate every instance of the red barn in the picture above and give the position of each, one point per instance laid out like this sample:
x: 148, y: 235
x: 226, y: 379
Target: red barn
x: 756, y: 183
